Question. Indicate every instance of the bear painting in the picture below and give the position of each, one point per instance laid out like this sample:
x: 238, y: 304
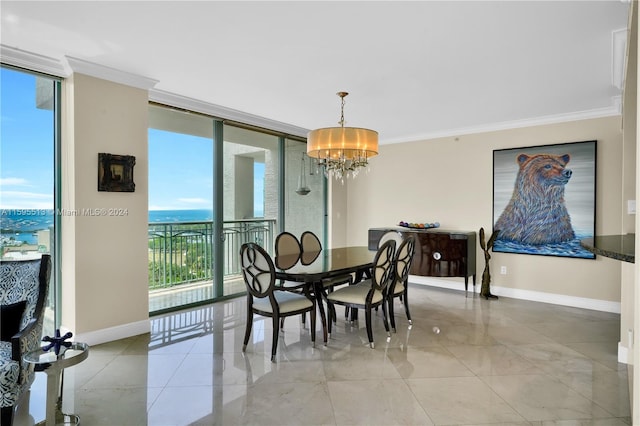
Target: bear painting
x: 536, y: 213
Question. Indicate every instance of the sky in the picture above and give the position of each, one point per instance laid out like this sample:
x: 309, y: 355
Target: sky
x: 180, y: 168
x: 181, y: 173
x: 26, y: 145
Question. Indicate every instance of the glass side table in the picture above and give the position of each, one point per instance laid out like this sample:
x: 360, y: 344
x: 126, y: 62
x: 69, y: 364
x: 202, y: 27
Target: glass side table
x: 54, y: 366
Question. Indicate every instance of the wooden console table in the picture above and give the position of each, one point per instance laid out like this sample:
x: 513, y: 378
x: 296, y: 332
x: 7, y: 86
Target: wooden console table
x: 439, y: 253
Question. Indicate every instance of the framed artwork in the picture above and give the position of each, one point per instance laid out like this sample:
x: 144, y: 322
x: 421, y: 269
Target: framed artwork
x: 115, y: 173
x: 544, y: 199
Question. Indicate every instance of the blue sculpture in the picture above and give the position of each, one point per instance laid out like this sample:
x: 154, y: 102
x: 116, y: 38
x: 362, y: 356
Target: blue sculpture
x: 57, y: 342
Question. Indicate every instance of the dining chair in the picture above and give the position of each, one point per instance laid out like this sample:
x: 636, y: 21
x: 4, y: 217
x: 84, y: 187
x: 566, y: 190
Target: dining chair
x: 399, y: 284
x: 288, y: 244
x: 263, y: 298
x: 311, y: 243
x: 388, y: 235
x: 369, y: 293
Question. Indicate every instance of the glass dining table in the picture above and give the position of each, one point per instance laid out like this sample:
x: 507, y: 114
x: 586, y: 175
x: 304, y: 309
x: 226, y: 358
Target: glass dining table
x: 312, y: 268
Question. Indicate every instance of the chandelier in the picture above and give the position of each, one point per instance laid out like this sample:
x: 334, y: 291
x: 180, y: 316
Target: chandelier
x: 342, y: 151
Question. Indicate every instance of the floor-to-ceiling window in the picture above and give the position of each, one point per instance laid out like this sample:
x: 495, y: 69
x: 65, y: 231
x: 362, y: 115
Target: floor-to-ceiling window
x: 29, y: 146
x: 201, y: 169
x: 180, y: 208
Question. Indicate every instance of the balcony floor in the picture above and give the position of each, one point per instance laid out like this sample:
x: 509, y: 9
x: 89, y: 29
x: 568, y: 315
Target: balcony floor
x: 186, y: 294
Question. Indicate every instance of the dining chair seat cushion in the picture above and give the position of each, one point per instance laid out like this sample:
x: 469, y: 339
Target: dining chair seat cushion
x: 287, y: 301
x: 291, y: 285
x: 355, y: 294
x: 330, y: 282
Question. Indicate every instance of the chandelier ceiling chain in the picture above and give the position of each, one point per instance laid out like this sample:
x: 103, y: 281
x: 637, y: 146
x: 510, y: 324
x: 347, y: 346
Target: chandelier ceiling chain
x: 342, y: 96
x: 342, y: 151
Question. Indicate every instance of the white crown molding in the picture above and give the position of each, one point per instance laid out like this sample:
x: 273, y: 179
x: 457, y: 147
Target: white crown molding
x: 613, y: 110
x: 32, y: 61
x: 81, y: 66
x: 51, y: 66
x: 618, y: 56
x: 190, y: 104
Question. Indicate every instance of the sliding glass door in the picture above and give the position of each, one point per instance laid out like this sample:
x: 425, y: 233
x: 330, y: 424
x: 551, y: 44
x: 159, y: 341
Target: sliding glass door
x: 180, y: 208
x: 212, y: 187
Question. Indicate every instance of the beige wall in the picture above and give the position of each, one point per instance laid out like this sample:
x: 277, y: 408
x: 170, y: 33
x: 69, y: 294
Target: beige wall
x: 104, y: 263
x: 449, y: 180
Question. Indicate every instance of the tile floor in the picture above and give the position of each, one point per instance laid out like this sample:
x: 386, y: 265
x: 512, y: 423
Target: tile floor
x: 465, y: 361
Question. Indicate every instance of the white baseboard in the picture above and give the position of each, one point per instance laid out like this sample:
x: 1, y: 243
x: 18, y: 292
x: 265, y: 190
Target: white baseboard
x: 623, y: 354
x: 535, y: 296
x: 110, y: 334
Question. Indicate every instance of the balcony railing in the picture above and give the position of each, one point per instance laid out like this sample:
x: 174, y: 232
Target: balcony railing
x: 182, y: 252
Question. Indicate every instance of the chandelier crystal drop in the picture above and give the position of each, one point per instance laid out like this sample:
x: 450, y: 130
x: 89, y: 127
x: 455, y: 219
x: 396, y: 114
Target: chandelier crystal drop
x: 342, y: 151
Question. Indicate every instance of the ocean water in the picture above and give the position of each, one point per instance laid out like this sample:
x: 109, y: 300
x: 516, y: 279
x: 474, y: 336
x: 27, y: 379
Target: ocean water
x: 22, y: 224
x: 180, y: 215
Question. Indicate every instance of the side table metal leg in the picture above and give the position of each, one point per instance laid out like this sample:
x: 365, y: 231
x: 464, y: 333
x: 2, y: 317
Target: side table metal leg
x: 53, y: 395
x: 55, y: 387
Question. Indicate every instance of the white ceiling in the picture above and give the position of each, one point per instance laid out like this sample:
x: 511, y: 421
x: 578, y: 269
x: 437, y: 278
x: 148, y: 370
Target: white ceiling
x: 414, y: 70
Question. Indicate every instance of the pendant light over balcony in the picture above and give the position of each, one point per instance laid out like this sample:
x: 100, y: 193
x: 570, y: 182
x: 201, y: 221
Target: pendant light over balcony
x: 343, y: 151
x: 303, y: 189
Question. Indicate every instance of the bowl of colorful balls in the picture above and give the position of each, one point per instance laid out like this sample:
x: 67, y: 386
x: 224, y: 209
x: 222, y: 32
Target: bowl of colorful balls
x: 417, y: 225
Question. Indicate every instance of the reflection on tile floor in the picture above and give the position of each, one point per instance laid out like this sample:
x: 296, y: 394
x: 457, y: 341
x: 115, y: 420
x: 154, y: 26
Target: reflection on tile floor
x: 465, y: 361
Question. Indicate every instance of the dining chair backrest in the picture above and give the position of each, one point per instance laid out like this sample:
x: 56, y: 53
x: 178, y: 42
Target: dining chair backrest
x: 404, y: 258
x: 391, y: 235
x: 310, y: 242
x: 258, y: 270
x: 382, y: 270
x: 287, y: 243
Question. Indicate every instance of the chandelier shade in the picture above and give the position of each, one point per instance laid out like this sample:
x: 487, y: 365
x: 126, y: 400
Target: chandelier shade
x: 343, y: 151
x: 336, y: 142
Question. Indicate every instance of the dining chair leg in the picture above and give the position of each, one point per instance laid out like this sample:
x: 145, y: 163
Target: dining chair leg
x: 313, y: 324
x: 392, y: 319
x: 329, y: 325
x: 247, y: 332
x: 384, y: 318
x: 406, y: 303
x: 274, y: 343
x: 367, y: 314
